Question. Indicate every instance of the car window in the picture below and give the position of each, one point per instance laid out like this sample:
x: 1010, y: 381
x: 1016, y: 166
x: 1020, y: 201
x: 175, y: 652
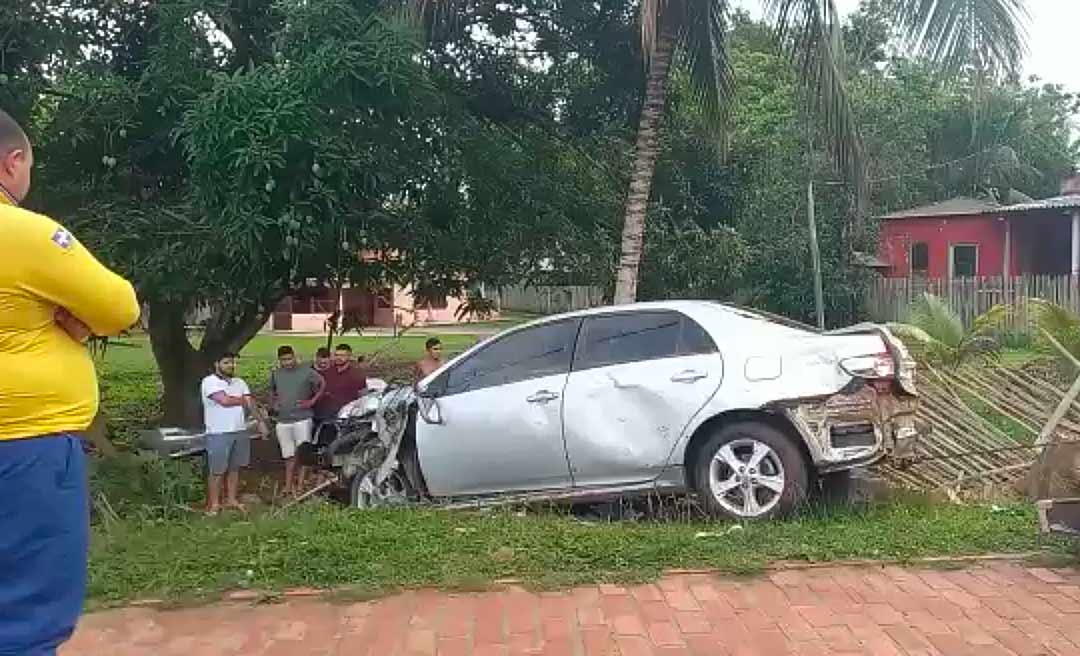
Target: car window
x: 694, y: 339
x: 638, y: 336
x: 543, y: 350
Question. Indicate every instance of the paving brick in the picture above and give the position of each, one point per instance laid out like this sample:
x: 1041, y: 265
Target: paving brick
x: 705, y: 645
x: 647, y: 593
x: 681, y: 600
x: 1002, y: 609
x: 628, y: 625
x: 634, y: 646
x: 598, y: 642
x: 819, y: 616
x: 452, y: 647
x: 664, y: 634
x: 1045, y: 575
x: 690, y: 622
x: 591, y: 616
x: 907, y: 638
x: 884, y: 614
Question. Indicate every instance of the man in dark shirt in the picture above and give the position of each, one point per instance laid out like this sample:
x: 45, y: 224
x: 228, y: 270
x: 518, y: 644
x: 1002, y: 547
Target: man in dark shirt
x: 345, y: 381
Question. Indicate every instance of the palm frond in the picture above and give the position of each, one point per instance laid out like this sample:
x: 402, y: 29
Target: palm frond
x: 992, y: 321
x: 988, y: 35
x: 933, y: 315
x: 434, y: 15
x: 703, y: 51
x: 910, y: 334
x: 810, y: 32
x: 1058, y: 322
x: 985, y: 348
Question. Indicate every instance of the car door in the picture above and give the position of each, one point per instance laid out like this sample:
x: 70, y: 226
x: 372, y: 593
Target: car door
x: 637, y: 380
x: 500, y: 416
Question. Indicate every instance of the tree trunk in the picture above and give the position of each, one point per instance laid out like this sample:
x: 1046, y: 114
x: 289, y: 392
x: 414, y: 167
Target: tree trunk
x: 646, y: 152
x: 180, y: 365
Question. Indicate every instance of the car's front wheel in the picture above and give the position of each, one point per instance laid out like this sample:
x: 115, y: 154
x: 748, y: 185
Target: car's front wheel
x: 750, y: 471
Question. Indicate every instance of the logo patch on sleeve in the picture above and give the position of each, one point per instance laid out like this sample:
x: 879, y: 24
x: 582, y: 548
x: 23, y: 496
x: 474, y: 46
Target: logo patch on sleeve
x: 63, y: 239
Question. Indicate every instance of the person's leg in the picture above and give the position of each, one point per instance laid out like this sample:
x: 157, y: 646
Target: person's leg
x: 217, y: 461
x: 42, y: 554
x: 287, y: 444
x: 303, y: 435
x: 239, y: 457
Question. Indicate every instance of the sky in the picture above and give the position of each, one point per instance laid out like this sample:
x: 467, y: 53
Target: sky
x: 1052, y: 32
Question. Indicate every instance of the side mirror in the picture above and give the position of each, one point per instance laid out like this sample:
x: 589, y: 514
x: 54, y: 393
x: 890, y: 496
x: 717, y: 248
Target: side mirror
x: 429, y: 410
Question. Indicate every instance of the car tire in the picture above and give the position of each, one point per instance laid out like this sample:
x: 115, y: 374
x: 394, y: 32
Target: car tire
x: 751, y: 471
x: 394, y: 491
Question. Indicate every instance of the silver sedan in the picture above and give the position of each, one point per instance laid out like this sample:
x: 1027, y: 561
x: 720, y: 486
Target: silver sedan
x: 740, y: 409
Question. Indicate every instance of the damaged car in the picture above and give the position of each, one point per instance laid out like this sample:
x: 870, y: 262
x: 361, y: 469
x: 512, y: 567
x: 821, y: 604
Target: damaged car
x: 742, y: 410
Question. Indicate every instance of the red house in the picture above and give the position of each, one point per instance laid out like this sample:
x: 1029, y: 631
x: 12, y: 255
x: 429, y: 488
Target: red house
x: 969, y: 237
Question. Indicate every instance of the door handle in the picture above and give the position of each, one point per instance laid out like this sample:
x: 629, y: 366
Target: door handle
x: 689, y: 376
x: 543, y: 396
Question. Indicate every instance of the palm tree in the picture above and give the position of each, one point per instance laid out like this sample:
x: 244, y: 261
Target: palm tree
x: 1056, y: 322
x: 936, y: 334
x: 981, y: 36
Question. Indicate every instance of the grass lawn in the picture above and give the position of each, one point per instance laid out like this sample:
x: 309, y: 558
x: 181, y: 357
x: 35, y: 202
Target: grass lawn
x: 130, y: 388
x: 378, y: 551
x: 134, y: 354
x: 156, y: 549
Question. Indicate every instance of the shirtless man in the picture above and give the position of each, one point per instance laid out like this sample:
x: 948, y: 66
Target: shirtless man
x: 431, y: 361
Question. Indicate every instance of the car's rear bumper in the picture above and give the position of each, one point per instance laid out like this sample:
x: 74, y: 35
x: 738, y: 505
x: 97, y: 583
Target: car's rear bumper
x: 857, y: 427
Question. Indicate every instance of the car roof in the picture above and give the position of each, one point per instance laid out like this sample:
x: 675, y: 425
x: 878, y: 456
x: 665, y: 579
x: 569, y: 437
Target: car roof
x: 713, y: 315
x: 694, y: 308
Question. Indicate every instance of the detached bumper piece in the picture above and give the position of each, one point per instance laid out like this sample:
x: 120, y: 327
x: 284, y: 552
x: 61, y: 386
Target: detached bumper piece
x: 1059, y: 516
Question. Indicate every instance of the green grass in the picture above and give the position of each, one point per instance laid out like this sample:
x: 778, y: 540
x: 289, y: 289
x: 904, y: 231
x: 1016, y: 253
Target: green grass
x: 134, y: 354
x: 378, y: 551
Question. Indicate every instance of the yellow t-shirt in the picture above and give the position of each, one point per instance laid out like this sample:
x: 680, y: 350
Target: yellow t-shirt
x: 47, y: 379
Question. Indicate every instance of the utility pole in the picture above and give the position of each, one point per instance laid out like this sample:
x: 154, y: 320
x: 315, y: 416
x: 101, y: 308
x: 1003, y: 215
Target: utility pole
x: 815, y: 255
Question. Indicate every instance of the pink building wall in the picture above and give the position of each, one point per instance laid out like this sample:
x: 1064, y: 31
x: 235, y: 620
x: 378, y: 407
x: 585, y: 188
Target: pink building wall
x: 939, y: 233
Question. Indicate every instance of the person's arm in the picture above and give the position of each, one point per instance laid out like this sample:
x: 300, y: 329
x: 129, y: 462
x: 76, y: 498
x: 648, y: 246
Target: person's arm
x: 273, y: 390
x: 227, y: 401
x: 60, y: 270
x: 319, y: 383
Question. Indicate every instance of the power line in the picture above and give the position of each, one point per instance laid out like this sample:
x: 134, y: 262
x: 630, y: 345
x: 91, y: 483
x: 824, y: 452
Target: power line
x: 932, y: 167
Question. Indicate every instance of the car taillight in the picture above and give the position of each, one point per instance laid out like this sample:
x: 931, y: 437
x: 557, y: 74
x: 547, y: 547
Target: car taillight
x: 872, y: 367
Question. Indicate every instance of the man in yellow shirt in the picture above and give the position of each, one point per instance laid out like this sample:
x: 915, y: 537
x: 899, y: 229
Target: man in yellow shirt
x: 53, y: 295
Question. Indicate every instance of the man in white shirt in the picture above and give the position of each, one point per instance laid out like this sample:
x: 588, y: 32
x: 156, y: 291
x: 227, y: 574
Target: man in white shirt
x: 228, y: 442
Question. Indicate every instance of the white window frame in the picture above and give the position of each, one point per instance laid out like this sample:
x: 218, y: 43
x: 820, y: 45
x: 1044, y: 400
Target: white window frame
x: 952, y: 258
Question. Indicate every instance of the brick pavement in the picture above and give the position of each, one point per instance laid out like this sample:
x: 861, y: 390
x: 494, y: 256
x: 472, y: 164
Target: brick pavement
x: 994, y: 609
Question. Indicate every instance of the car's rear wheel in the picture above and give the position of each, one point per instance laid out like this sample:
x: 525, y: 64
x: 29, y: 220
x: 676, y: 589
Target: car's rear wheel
x: 751, y: 471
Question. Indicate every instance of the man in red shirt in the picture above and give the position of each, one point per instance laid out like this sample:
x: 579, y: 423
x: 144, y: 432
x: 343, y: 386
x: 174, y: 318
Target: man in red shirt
x: 345, y: 381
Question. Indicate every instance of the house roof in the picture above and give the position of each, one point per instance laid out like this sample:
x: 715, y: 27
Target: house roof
x: 966, y: 206
x: 1071, y: 201
x: 961, y: 205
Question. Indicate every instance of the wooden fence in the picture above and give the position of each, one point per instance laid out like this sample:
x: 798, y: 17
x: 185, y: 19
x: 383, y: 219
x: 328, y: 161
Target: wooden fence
x: 889, y: 299
x: 543, y: 299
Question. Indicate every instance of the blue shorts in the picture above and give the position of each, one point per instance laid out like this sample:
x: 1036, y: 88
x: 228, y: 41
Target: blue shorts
x: 227, y: 452
x: 44, y: 537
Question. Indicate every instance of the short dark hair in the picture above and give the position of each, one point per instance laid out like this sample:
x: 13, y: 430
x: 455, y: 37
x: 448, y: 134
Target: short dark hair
x: 12, y: 136
x: 284, y: 350
x: 227, y: 355
x: 343, y: 347
x: 322, y: 352
x: 432, y: 342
